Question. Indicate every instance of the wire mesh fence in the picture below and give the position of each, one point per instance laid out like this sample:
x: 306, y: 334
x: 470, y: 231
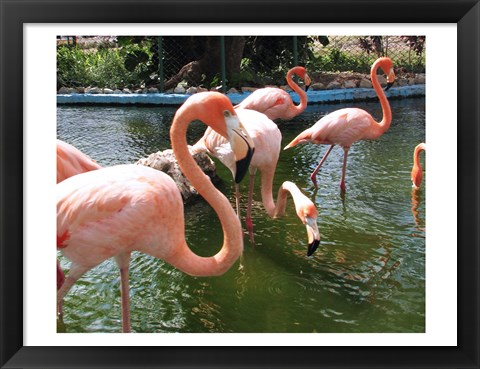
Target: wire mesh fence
x: 221, y: 62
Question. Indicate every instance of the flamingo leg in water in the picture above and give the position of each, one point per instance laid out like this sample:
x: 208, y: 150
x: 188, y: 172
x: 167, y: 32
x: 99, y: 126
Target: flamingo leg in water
x: 237, y: 199
x: 313, y: 176
x: 248, y: 219
x: 344, y: 169
x: 123, y: 261
x: 74, y: 274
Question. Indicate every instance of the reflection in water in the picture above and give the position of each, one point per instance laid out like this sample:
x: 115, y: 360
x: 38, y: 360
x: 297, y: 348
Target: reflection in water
x: 368, y: 274
x: 417, y: 216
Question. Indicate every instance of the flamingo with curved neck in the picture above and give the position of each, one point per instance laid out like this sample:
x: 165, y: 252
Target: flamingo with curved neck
x: 276, y: 103
x: 267, y: 140
x: 417, y: 174
x: 113, y: 211
x: 346, y: 126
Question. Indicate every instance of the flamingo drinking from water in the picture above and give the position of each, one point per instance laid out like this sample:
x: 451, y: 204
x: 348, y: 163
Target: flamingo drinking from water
x: 267, y: 140
x: 113, y: 211
x: 346, y: 126
x: 417, y: 174
x: 276, y: 103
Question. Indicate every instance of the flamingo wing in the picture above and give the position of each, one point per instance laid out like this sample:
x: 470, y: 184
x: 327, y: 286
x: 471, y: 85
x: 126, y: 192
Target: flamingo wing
x: 117, y: 209
x: 272, y: 102
x: 71, y: 161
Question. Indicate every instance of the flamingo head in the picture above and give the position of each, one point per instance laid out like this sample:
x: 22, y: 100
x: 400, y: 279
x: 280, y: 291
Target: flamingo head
x: 216, y: 110
x: 302, y: 73
x: 308, y: 214
x: 386, y: 65
x: 417, y: 177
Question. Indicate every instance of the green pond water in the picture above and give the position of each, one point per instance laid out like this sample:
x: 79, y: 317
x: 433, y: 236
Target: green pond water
x: 368, y: 275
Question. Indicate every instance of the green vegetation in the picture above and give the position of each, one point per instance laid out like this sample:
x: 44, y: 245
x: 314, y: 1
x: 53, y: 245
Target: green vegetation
x: 133, y: 61
x: 101, y: 67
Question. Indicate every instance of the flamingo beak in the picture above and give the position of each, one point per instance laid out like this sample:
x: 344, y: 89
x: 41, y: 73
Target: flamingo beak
x: 390, y: 79
x: 308, y: 81
x: 243, y: 149
x: 313, y: 235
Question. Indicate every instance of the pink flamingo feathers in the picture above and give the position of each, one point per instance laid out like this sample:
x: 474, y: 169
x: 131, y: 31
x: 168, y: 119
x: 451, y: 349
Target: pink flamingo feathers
x: 267, y: 140
x: 113, y: 211
x: 70, y: 161
x: 276, y: 103
x: 346, y: 126
x: 417, y: 174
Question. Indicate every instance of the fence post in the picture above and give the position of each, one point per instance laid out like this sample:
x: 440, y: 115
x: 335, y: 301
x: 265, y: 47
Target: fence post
x: 222, y: 64
x: 160, y: 62
x: 295, y: 51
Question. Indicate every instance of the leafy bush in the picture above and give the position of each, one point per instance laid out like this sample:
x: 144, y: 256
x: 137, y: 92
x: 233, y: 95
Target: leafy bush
x: 101, y: 67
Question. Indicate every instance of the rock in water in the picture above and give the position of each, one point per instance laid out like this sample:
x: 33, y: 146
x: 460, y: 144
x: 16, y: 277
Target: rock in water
x: 167, y: 163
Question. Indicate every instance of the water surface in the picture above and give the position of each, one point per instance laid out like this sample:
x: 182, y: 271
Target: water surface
x: 368, y: 274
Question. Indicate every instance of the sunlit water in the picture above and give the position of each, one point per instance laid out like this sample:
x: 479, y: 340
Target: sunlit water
x: 368, y: 274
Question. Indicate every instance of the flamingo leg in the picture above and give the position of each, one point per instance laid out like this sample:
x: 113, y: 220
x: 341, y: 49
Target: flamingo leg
x: 76, y: 271
x: 237, y: 199
x: 123, y: 261
x: 313, y: 176
x: 344, y: 169
x: 248, y: 218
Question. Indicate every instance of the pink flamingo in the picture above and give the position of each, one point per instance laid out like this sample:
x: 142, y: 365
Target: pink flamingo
x: 267, y: 140
x: 274, y: 102
x: 70, y: 161
x: 116, y: 210
x: 417, y: 174
x: 345, y: 126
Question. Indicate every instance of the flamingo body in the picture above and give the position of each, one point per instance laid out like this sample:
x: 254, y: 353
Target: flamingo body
x: 267, y: 141
x: 113, y: 211
x: 276, y: 103
x: 417, y: 173
x: 71, y: 161
x: 119, y: 209
x: 346, y: 126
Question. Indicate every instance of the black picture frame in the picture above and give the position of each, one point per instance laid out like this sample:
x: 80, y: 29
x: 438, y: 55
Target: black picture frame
x: 14, y: 14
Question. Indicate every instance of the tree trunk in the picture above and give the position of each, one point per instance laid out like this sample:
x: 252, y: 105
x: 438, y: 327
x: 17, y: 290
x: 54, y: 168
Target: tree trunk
x: 204, y: 70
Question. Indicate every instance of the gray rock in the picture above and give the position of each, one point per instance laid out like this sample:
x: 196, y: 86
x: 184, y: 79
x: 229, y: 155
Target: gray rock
x: 232, y: 91
x: 248, y: 89
x: 420, y: 79
x: 152, y: 90
x: 93, y: 90
x: 317, y: 86
x: 107, y: 91
x: 167, y: 163
x: 334, y: 85
x: 382, y: 80
x: 349, y: 84
x: 365, y: 83
x: 126, y: 91
x: 117, y: 91
x: 66, y: 91
x: 179, y: 89
x: 191, y: 90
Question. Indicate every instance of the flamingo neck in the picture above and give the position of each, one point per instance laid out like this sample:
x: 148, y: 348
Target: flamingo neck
x: 278, y: 209
x: 416, y: 155
x: 380, y: 128
x: 301, y: 93
x: 232, y: 247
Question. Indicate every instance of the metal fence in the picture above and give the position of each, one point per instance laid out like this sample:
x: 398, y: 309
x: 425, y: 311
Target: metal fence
x: 253, y: 60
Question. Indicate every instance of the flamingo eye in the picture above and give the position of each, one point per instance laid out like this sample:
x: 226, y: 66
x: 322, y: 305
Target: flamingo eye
x: 227, y: 114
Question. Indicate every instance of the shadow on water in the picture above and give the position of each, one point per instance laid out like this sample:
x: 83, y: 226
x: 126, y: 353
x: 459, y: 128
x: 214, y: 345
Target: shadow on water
x: 368, y: 275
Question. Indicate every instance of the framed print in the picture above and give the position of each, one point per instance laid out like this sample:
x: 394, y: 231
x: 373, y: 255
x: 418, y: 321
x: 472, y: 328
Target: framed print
x: 443, y: 332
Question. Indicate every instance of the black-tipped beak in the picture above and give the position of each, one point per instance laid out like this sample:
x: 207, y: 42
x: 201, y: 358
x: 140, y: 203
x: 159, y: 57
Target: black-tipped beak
x: 243, y: 164
x: 306, y: 87
x: 312, y: 247
x: 389, y: 84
